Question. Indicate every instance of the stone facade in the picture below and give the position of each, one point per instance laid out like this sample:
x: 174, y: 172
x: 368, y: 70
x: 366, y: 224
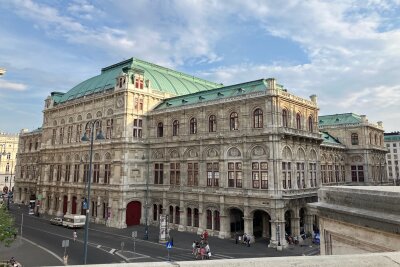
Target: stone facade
x: 8, y: 153
x: 358, y: 219
x: 239, y: 158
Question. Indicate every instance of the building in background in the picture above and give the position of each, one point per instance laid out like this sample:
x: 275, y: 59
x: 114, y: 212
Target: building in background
x: 392, y: 142
x: 241, y: 158
x: 357, y: 219
x: 8, y: 154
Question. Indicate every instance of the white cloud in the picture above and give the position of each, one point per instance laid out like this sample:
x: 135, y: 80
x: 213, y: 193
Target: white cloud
x: 5, y: 85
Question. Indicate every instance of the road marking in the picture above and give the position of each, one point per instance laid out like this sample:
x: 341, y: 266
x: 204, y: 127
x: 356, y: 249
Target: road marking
x: 222, y: 256
x: 112, y: 251
x: 98, y: 246
x: 45, y: 249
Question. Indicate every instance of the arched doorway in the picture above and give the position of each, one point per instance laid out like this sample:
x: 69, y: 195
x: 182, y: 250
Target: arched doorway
x: 236, y: 219
x: 133, y: 213
x: 261, y: 224
x: 288, y: 223
x: 65, y: 204
x: 73, y: 205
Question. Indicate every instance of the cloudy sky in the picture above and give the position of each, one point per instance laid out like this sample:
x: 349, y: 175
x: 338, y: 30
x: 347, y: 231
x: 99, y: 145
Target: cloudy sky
x: 346, y: 52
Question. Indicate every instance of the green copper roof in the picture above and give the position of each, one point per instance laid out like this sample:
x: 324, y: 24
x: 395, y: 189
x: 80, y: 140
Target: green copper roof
x: 161, y: 79
x: 329, y: 139
x: 392, y: 137
x: 218, y: 93
x: 337, y: 119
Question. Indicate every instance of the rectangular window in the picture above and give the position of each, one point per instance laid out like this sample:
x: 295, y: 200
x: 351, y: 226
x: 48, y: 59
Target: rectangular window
x: 53, y: 137
x: 213, y: 174
x: 158, y: 173
x: 174, y: 173
x: 85, y: 172
x: 78, y: 135
x: 69, y: 134
x: 137, y: 128
x: 260, y: 174
x: 313, y: 174
x: 357, y: 173
x: 337, y: 178
x: 343, y: 178
x: 96, y: 173
x: 59, y: 172
x: 300, y: 175
x: 61, y: 135
x: 67, y: 172
x: 193, y: 174
x: 109, y: 128
x: 287, y: 175
x: 107, y: 173
x: 76, y: 173
x: 235, y: 174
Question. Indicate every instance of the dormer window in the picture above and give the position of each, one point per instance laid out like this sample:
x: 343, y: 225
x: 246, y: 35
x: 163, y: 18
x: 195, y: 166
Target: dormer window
x: 139, y: 82
x: 121, y: 81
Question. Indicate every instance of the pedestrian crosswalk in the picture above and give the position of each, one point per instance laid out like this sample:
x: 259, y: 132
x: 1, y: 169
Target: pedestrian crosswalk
x: 190, y: 257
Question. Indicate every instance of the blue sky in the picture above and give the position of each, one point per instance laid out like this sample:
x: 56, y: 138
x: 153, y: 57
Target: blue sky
x: 346, y: 52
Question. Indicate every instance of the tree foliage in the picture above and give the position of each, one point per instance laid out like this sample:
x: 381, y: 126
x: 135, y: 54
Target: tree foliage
x: 7, y: 229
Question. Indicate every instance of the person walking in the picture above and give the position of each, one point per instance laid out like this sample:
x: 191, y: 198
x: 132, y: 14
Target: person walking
x: 74, y: 234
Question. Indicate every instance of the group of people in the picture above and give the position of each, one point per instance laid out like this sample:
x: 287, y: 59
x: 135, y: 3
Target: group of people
x: 14, y: 263
x: 245, y: 239
x: 201, y: 249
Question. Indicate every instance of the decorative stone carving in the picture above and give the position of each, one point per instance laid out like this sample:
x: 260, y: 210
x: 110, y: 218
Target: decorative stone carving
x: 212, y: 153
x: 234, y: 152
x: 174, y: 154
x: 356, y: 159
x: 258, y: 151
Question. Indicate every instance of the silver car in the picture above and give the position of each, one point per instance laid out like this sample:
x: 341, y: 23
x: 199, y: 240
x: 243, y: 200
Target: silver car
x: 56, y: 221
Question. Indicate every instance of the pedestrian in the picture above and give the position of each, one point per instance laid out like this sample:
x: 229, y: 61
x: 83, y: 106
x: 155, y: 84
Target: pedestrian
x: 205, y: 234
x: 74, y: 235
x: 236, y: 238
x: 194, y: 247
x: 248, y: 241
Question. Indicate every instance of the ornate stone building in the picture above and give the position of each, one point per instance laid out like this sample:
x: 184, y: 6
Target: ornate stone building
x: 240, y: 158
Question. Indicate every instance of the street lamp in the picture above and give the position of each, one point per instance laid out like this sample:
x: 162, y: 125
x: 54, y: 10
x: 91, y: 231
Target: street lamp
x: 146, y: 226
x: 90, y: 125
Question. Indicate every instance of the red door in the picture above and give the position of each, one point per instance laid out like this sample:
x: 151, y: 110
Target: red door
x: 73, y: 205
x: 65, y: 204
x: 133, y: 213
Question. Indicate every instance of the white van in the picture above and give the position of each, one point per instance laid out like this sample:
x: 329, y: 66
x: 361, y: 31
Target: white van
x: 74, y: 221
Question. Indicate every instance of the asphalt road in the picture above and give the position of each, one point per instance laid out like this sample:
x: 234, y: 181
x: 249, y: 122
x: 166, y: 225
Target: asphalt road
x: 105, y: 243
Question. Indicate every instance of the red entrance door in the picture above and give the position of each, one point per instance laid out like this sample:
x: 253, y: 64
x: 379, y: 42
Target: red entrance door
x: 73, y: 205
x: 133, y: 213
x: 65, y: 204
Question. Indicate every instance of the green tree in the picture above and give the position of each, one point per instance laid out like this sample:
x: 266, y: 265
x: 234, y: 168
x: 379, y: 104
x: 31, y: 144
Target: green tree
x: 7, y: 229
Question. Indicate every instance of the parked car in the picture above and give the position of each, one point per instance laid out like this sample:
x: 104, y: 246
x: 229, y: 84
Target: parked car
x: 56, y: 221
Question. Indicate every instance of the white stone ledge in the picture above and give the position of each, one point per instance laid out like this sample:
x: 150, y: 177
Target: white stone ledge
x: 387, y: 259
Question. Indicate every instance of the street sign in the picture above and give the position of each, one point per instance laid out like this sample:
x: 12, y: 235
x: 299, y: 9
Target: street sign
x: 134, y: 234
x: 169, y: 245
x: 65, y: 243
x: 85, y: 206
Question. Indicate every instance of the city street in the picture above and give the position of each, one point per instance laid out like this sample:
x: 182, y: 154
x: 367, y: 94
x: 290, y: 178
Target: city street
x: 105, y: 244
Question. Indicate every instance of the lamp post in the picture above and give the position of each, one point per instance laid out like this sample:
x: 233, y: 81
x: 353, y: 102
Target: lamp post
x: 90, y: 125
x: 146, y: 226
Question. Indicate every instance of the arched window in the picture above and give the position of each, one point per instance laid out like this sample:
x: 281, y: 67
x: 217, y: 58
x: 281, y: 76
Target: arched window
x: 212, y: 124
x: 160, y: 129
x: 298, y: 121
x: 189, y: 217
x: 376, y: 139
x: 234, y: 121
x: 175, y: 128
x: 284, y: 118
x: 193, y: 126
x: 370, y: 138
x: 354, y: 139
x: 258, y: 118
x: 310, y: 124
x: 380, y: 140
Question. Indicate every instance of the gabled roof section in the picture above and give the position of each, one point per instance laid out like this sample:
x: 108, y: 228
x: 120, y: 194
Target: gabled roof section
x: 338, y: 119
x: 329, y: 139
x: 161, y: 79
x: 214, y: 94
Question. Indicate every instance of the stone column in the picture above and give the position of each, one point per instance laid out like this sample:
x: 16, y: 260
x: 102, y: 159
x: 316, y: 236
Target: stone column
x: 202, y: 221
x: 52, y: 203
x: 308, y: 224
x: 182, y: 225
x: 295, y: 225
x: 265, y: 229
x: 60, y: 206
x: 248, y: 226
x: 277, y: 234
x: 225, y: 226
x: 43, y: 203
x: 69, y: 205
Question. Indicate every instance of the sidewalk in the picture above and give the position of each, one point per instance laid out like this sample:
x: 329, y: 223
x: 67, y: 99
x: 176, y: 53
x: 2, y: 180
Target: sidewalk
x: 28, y: 254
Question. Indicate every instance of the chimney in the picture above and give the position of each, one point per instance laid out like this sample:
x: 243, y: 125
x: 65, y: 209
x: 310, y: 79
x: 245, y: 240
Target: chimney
x: 313, y: 98
x: 271, y: 82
